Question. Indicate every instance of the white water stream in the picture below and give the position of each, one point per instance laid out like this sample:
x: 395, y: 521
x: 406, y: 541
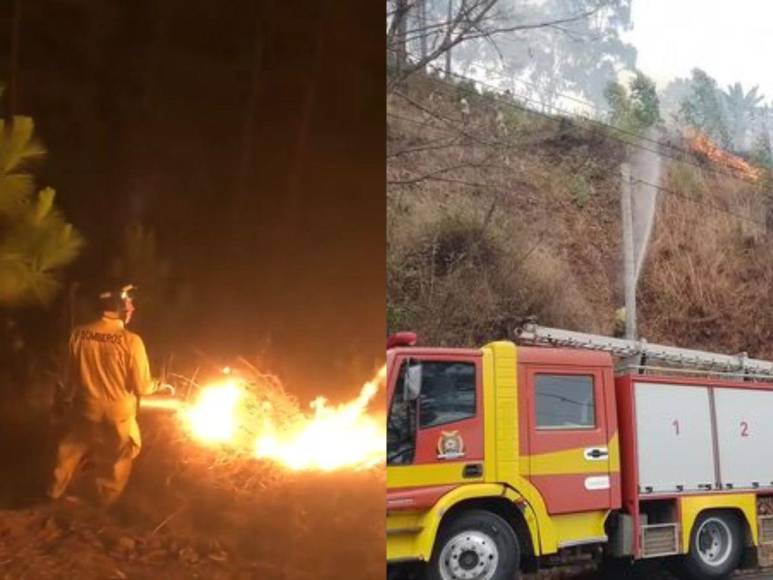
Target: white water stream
x: 645, y: 172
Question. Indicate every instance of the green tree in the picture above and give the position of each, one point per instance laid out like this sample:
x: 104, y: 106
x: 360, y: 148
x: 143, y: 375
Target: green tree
x: 576, y: 58
x: 741, y: 108
x: 645, y: 105
x: 671, y: 97
x: 703, y: 108
x: 580, y: 57
x: 551, y: 47
x: 619, y: 102
x: 634, y: 108
x: 36, y: 242
x: 762, y: 152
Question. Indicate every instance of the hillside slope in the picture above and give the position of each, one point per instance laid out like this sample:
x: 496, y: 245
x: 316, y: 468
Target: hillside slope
x: 496, y: 213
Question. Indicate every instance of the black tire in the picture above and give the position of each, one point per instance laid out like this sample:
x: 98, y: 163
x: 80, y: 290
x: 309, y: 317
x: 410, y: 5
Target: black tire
x: 477, y: 544
x: 715, y: 529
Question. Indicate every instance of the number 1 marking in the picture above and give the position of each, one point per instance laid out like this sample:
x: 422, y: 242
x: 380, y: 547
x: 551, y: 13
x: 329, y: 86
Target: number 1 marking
x: 676, y: 426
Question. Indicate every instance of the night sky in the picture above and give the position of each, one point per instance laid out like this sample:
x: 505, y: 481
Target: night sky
x: 249, y: 136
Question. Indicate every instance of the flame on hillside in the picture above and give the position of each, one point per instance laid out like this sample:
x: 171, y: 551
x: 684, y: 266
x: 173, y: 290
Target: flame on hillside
x: 701, y: 144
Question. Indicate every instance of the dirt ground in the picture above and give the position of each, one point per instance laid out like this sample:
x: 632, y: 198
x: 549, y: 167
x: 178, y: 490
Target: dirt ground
x: 180, y: 519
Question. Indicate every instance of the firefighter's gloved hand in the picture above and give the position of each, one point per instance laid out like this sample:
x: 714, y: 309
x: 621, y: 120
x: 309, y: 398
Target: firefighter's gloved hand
x: 165, y: 389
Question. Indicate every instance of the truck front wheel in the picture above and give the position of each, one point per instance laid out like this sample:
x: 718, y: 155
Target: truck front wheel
x: 477, y: 545
x: 716, y: 546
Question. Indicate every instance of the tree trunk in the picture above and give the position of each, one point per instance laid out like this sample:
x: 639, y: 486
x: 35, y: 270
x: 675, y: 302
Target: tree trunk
x: 13, y: 65
x: 401, y: 33
x: 450, y: 34
x: 249, y: 129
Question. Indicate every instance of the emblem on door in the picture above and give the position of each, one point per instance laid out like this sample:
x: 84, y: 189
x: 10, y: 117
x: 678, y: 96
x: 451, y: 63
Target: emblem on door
x: 450, y: 445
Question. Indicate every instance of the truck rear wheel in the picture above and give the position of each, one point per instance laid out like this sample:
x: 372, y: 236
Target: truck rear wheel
x: 478, y: 545
x: 716, y: 546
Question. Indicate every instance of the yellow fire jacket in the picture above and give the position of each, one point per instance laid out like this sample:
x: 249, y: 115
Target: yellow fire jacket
x: 107, y: 362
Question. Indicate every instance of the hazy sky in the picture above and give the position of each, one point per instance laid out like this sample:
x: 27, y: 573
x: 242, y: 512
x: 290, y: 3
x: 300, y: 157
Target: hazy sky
x: 732, y: 40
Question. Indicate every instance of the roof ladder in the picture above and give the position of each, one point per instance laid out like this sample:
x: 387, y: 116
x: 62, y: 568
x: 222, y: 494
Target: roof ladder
x: 739, y: 365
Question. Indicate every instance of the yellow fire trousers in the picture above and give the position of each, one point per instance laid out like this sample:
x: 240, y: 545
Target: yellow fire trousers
x: 108, y: 434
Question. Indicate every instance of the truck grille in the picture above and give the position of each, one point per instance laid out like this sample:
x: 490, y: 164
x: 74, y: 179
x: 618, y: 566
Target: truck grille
x: 659, y: 540
x: 766, y: 529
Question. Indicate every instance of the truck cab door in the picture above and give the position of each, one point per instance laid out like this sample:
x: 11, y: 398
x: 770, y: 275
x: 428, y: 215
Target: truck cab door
x: 569, y: 439
x: 434, y: 442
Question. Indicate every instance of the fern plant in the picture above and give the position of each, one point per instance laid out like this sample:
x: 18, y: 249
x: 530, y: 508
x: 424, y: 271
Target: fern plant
x: 36, y: 242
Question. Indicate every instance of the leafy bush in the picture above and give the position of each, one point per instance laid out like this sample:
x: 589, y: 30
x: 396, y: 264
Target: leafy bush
x: 703, y: 108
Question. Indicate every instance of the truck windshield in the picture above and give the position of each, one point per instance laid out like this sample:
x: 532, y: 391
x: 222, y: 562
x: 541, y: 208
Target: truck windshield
x: 400, y: 426
x: 448, y: 395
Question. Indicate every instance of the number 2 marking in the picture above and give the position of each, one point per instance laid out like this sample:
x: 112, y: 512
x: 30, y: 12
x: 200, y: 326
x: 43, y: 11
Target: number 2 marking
x: 676, y: 426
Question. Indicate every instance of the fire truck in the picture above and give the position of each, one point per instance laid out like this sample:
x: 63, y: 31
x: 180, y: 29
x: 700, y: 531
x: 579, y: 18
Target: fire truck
x: 566, y: 445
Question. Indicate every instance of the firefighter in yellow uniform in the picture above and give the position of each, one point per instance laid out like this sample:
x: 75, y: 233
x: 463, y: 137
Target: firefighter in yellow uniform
x: 108, y: 371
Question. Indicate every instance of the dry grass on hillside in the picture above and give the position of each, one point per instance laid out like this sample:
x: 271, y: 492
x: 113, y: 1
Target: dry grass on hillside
x: 494, y: 216
x: 709, y: 273
x: 460, y: 284
x: 498, y: 214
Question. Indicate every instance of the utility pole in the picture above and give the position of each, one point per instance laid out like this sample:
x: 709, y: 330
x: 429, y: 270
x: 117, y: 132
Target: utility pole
x: 401, y: 35
x: 450, y: 24
x: 629, y: 263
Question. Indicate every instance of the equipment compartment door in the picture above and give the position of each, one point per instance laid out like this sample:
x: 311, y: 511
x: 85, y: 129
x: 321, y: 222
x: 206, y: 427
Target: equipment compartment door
x: 569, y: 442
x: 745, y: 436
x: 674, y: 438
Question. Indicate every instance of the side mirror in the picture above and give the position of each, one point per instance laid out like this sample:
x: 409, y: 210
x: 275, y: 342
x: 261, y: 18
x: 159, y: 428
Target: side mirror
x: 412, y: 383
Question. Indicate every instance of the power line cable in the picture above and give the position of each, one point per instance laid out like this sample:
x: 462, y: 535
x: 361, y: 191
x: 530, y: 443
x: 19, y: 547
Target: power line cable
x: 502, y: 100
x: 558, y: 110
x: 492, y: 189
x: 700, y: 202
x: 489, y: 188
x: 498, y: 190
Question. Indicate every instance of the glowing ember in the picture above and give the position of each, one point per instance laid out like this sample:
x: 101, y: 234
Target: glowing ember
x: 329, y: 438
x: 213, y: 418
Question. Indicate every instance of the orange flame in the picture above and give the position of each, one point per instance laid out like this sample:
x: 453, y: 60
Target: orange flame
x: 700, y: 143
x: 329, y: 438
x: 213, y: 418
